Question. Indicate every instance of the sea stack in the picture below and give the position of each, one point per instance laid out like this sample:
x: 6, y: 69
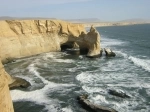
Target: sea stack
x: 93, y: 41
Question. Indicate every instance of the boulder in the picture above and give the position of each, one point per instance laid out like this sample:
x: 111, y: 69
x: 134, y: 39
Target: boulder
x: 19, y: 83
x: 118, y: 94
x: 86, y: 104
x: 109, y: 52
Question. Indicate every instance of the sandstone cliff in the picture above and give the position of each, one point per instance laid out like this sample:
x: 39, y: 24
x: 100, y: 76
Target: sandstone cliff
x: 5, y: 99
x: 21, y: 38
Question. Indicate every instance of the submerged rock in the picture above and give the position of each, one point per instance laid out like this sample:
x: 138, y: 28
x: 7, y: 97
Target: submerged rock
x: 118, y: 94
x: 109, y: 52
x: 86, y: 104
x: 19, y: 83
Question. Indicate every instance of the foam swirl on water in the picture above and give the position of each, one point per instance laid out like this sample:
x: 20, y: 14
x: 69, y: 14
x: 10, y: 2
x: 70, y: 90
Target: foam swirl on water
x: 40, y: 96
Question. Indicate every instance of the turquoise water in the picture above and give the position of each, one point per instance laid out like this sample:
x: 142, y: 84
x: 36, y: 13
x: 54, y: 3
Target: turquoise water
x: 58, y: 78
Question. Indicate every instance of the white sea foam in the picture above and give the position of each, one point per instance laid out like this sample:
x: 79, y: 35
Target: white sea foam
x: 37, y: 96
x: 93, y: 89
x: 55, y: 57
x: 98, y: 99
x: 110, y: 42
x: 144, y: 63
x: 33, y: 70
x: 84, y: 77
x: 67, y: 109
x: 93, y: 78
x: 64, y: 60
x: 52, y: 55
x: 40, y: 96
x: 120, y: 53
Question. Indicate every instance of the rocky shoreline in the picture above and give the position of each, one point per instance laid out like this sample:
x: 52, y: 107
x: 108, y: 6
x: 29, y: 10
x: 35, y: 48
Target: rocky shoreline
x: 22, y: 38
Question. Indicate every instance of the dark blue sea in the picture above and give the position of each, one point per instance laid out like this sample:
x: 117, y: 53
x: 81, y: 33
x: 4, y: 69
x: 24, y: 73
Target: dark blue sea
x: 57, y: 78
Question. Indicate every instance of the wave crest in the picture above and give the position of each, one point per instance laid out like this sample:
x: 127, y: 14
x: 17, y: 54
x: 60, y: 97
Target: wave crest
x: 144, y: 63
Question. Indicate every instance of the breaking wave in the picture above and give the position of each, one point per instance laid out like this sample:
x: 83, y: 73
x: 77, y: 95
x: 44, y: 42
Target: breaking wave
x: 144, y: 63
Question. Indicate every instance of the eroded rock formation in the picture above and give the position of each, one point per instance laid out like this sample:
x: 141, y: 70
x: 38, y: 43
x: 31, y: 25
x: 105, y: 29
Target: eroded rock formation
x: 93, y: 41
x: 21, y: 38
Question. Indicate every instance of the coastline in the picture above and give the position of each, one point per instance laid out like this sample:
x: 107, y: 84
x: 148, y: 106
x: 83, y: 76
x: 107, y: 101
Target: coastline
x: 105, y: 24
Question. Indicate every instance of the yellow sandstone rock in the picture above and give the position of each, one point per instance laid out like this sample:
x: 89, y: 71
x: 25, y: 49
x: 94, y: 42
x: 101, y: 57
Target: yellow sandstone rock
x: 5, y: 99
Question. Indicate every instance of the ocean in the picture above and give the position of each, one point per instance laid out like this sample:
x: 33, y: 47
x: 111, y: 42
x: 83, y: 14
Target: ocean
x: 58, y: 78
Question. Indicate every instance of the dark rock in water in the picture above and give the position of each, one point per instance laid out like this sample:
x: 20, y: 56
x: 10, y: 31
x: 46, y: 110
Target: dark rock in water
x: 101, y: 52
x: 19, y: 83
x: 73, y: 51
x: 83, y: 51
x: 86, y: 104
x: 118, y: 94
x: 109, y: 52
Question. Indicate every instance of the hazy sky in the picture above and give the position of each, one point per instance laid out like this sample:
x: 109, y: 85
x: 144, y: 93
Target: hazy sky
x: 77, y: 9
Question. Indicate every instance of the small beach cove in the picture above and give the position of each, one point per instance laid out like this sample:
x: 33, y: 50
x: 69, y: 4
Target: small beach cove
x: 58, y: 78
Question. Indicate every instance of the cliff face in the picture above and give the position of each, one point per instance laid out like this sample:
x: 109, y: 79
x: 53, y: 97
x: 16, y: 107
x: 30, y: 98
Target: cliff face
x: 21, y: 38
x: 29, y: 37
x: 5, y: 99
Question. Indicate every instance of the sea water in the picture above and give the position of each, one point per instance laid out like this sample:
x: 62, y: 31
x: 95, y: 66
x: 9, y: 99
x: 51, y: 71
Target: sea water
x: 58, y: 78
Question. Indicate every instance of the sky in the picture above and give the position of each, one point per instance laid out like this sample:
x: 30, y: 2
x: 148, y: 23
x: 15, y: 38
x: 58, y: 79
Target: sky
x: 106, y: 10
